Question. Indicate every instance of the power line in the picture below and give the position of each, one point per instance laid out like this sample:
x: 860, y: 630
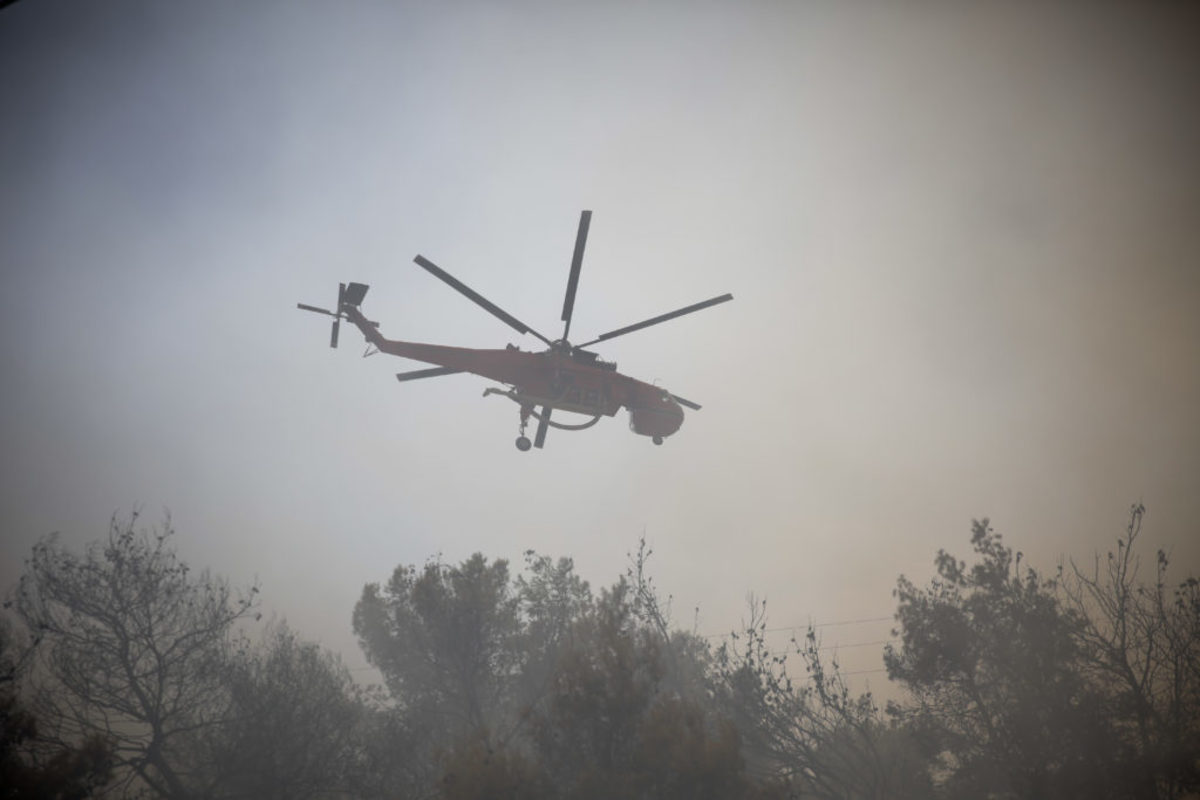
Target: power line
x: 856, y: 644
x: 865, y: 671
x: 840, y: 623
x: 843, y: 622
x: 832, y: 647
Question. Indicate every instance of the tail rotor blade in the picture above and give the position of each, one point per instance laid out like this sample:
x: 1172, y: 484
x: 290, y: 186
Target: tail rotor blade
x: 543, y: 426
x: 357, y: 288
x: 585, y: 222
x: 688, y: 403
x: 325, y: 311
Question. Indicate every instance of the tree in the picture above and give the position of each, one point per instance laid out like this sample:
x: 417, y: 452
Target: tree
x: 29, y: 769
x: 813, y: 733
x: 1140, y: 646
x: 446, y: 640
x: 631, y: 712
x: 395, y: 756
x: 618, y: 721
x: 134, y: 649
x: 603, y: 687
x: 476, y: 769
x: 295, y: 723
x: 531, y: 688
x: 468, y: 649
x: 551, y: 600
x: 991, y: 659
x: 468, y: 654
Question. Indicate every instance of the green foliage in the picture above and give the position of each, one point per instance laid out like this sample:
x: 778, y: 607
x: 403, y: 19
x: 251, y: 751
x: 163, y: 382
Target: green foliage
x: 604, y: 686
x: 987, y: 655
x: 1084, y: 684
x: 446, y: 640
x: 480, y: 770
x: 1022, y: 685
x: 395, y: 756
x: 682, y: 752
x: 295, y: 721
x: 552, y: 599
x: 576, y: 696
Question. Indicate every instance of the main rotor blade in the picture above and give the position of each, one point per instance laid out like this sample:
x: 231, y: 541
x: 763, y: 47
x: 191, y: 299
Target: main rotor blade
x: 425, y: 373
x: 688, y: 403
x: 325, y: 311
x: 585, y: 222
x: 660, y: 318
x: 476, y: 297
x: 543, y: 426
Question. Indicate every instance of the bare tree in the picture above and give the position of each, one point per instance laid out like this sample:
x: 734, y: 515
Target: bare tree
x: 814, y: 732
x: 134, y: 649
x: 1140, y: 645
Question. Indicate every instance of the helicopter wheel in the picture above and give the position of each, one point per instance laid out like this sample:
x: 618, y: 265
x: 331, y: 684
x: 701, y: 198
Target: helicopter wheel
x: 523, y: 443
x: 657, y: 440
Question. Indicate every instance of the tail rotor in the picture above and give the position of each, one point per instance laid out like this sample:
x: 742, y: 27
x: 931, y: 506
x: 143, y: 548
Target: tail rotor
x: 351, y: 294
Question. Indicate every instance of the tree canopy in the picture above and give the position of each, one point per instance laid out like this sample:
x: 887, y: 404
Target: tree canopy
x: 129, y: 674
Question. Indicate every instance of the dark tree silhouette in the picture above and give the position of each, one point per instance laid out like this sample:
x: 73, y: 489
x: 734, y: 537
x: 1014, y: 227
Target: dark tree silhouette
x: 1139, y: 645
x: 616, y: 724
x: 135, y: 650
x: 992, y: 661
x: 296, y: 725
x: 446, y: 640
x: 530, y: 687
x: 1084, y: 684
x: 29, y: 768
x: 813, y: 732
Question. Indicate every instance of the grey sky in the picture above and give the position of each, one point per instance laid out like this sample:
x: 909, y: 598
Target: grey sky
x: 962, y: 240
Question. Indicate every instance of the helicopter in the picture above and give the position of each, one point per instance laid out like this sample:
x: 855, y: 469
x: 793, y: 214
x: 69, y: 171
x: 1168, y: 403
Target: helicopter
x: 564, y: 377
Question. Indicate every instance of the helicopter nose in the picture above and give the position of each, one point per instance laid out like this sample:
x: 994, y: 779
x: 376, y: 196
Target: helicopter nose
x: 661, y: 417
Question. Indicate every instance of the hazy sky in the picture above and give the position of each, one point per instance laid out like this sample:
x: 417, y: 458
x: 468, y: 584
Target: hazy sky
x: 962, y: 238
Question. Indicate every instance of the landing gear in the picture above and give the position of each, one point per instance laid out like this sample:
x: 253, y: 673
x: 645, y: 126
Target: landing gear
x: 657, y: 440
x: 523, y: 443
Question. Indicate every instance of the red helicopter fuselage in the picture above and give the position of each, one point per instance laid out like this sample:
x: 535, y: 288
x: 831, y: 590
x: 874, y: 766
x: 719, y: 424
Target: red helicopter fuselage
x: 550, y: 378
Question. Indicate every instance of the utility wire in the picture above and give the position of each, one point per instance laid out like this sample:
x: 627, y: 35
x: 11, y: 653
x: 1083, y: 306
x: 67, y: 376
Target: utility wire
x: 833, y: 647
x: 856, y: 644
x: 819, y: 625
x: 836, y: 624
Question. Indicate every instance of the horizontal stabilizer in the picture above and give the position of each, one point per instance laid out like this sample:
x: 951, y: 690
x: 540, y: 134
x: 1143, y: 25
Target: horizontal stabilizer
x: 688, y: 403
x: 425, y: 373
